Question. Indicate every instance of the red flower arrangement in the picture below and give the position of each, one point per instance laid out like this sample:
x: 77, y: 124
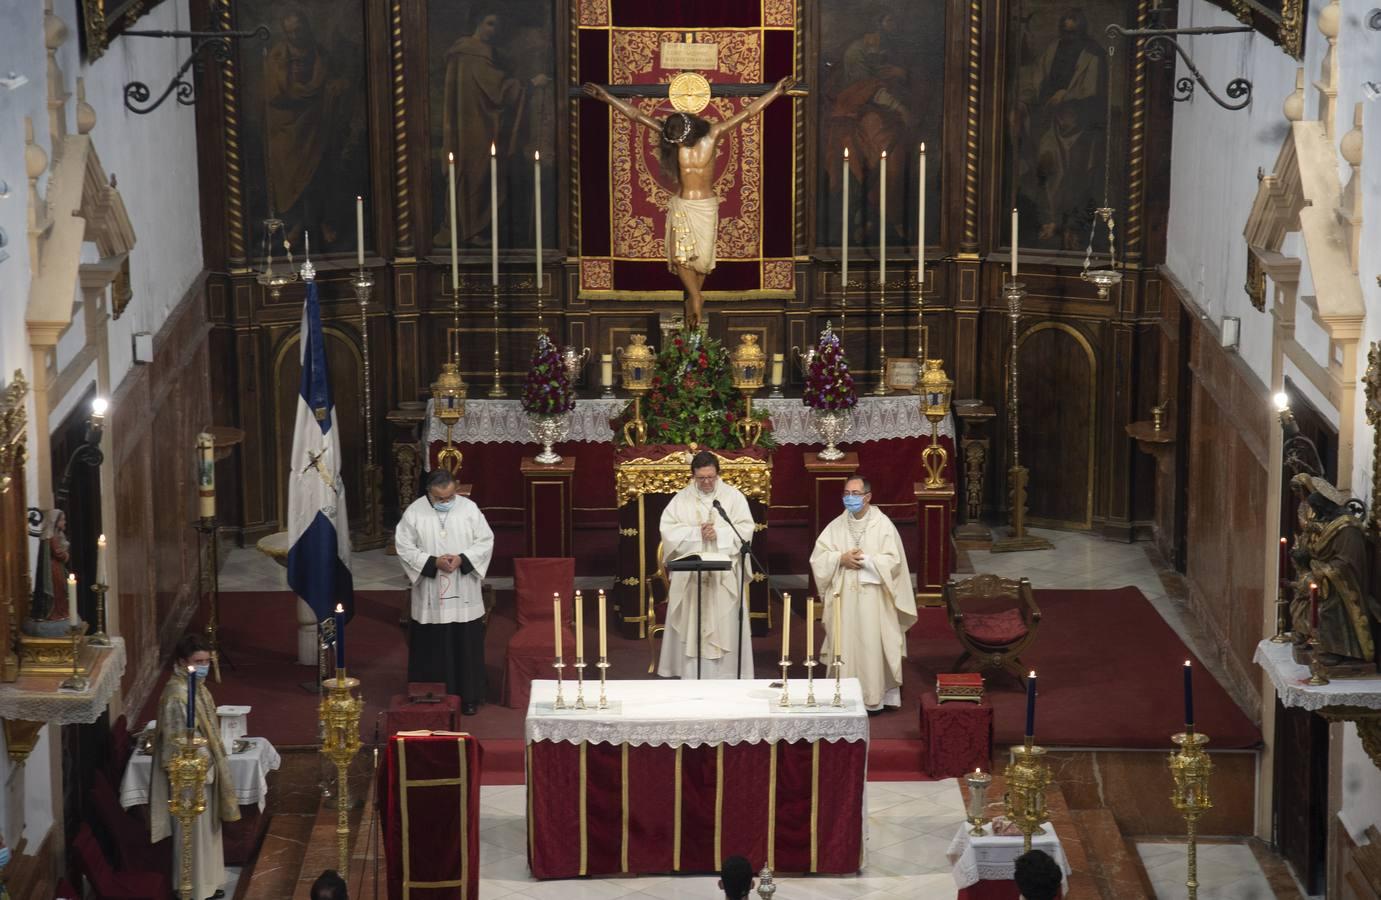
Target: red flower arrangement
x: 829, y: 384
x: 547, y: 391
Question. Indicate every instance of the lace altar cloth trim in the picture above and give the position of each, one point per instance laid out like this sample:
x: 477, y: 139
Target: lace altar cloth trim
x: 36, y: 698
x: 992, y: 858
x: 249, y: 770
x: 1290, y: 680
x: 695, y: 713
x: 503, y: 421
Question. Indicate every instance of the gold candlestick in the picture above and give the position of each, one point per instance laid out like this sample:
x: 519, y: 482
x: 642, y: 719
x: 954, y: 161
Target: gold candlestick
x: 1027, y: 779
x: 187, y: 777
x: 603, y: 666
x: 1190, y: 767
x: 1282, y: 635
x: 559, y: 666
x: 580, y: 682
x: 979, y: 782
x: 100, y: 638
x: 76, y: 681
x: 497, y: 390
x: 340, y: 724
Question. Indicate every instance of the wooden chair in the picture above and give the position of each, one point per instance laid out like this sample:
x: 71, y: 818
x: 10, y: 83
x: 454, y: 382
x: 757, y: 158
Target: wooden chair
x: 995, y: 620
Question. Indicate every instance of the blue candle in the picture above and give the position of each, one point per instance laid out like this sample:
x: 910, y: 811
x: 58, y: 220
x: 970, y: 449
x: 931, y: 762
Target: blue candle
x: 191, y: 698
x: 1188, y: 696
x: 340, y: 638
x: 1031, y: 704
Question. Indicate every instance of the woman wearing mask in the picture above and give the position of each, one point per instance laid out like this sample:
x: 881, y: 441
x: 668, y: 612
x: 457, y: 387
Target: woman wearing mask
x: 208, y: 858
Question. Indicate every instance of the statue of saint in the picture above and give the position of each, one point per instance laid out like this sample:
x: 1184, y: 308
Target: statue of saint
x: 1334, y: 552
x: 688, y: 150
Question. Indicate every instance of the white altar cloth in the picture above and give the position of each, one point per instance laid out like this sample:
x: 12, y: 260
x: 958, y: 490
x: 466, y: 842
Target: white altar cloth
x: 249, y: 770
x: 994, y: 858
x: 693, y: 713
x: 503, y: 421
x: 1291, y: 682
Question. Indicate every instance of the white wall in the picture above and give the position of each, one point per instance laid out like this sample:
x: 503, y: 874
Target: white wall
x: 1213, y: 181
x: 154, y: 161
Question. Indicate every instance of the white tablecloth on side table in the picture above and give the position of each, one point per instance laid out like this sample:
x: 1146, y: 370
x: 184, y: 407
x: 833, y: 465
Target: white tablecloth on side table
x: 249, y: 769
x: 994, y: 857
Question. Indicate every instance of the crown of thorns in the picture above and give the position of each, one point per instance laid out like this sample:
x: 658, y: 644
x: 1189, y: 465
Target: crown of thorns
x: 685, y: 129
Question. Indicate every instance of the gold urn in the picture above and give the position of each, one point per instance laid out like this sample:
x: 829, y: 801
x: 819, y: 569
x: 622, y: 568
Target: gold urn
x: 448, y: 392
x: 637, y: 361
x: 748, y: 363
x: 936, y: 388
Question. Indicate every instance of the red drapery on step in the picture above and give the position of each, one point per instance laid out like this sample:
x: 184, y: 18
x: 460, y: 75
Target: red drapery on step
x: 429, y: 798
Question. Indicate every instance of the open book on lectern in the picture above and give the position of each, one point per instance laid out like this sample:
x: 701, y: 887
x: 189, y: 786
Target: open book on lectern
x: 708, y: 561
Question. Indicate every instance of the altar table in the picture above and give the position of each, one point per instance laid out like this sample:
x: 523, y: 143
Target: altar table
x: 640, y: 788
x: 249, y: 770
x: 984, y: 864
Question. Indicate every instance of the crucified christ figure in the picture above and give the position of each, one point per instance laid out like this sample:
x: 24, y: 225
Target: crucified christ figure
x: 688, y: 149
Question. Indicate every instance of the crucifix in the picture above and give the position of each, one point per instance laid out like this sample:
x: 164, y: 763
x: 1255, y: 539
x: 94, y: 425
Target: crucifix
x: 688, y: 148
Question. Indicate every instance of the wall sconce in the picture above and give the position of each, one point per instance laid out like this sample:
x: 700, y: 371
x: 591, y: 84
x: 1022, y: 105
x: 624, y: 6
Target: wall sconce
x: 88, y: 453
x: 143, y: 347
x: 1232, y: 332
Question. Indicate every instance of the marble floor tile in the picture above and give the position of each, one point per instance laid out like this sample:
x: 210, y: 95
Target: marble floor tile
x: 1225, y: 871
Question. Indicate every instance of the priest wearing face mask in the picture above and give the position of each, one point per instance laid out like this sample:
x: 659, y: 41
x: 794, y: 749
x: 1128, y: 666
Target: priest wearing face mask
x: 444, y: 545
x: 859, y: 559
x: 691, y: 525
x: 208, y: 856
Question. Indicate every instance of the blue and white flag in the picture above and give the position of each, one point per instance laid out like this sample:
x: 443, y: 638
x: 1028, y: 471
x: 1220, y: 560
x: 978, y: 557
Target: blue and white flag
x: 318, y: 528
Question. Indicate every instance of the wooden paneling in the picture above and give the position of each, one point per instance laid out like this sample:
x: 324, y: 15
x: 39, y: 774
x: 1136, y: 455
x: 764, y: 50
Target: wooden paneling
x: 1058, y: 374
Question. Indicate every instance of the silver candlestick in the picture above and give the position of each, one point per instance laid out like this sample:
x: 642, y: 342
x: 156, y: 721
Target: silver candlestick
x: 603, y: 666
x: 559, y: 666
x: 580, y: 682
x: 811, y: 663
x: 785, y: 699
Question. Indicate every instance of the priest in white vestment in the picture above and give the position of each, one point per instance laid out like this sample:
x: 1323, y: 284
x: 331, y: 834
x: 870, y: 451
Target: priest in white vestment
x: 860, y: 559
x: 444, y: 545
x: 691, y: 525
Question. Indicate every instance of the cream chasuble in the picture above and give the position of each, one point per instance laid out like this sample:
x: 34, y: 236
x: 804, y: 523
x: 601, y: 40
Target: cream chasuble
x: 720, y: 612
x: 878, y: 602
x: 423, y: 532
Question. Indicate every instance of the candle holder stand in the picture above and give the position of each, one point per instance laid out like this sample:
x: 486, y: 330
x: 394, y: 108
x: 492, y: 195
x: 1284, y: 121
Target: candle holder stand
x: 559, y: 666
x: 881, y: 389
x: 208, y: 528
x: 785, y: 699
x: 979, y: 783
x: 1190, y: 767
x: 603, y: 666
x: 76, y: 681
x: 187, y: 778
x: 100, y: 638
x: 580, y: 683
x: 1317, y: 674
x: 496, y: 391
x: 374, y: 535
x: 811, y: 663
x: 1017, y: 475
x: 340, y: 721
x: 838, y: 665
x: 1024, y: 800
x: 1282, y: 635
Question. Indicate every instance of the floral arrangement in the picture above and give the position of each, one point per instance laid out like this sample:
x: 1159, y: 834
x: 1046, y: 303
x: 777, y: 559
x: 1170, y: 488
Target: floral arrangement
x: 547, y: 391
x: 692, y: 398
x: 829, y: 384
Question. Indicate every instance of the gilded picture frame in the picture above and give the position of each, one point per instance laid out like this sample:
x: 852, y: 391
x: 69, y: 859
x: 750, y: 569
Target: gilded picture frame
x: 103, y: 20
x: 902, y: 374
x: 1280, y: 20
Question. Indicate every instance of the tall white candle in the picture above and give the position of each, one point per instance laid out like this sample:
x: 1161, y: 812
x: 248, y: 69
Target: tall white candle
x: 882, y: 221
x: 837, y: 635
x: 786, y: 626
x: 537, y: 209
x: 603, y: 637
x: 206, y: 476
x: 920, y: 225
x: 455, y: 252
x: 556, y: 620
x: 72, y: 618
x: 100, y: 561
x: 579, y: 626
x: 494, y: 221
x: 778, y: 364
x: 810, y: 628
x: 1014, y: 243
x: 606, y: 369
x: 844, y: 251
x: 359, y: 231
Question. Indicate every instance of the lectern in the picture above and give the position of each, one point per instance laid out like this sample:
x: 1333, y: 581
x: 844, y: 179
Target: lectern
x: 694, y: 563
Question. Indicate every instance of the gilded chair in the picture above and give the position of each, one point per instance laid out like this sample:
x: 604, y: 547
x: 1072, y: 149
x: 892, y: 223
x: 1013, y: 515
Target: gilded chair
x: 995, y: 620
x: 658, y: 590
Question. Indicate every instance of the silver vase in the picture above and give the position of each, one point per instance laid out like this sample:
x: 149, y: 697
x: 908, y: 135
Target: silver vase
x: 547, y: 430
x: 574, y: 360
x: 832, y: 425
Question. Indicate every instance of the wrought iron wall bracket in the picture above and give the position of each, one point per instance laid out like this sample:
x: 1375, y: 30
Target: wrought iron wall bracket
x: 1160, y: 41
x: 220, y: 43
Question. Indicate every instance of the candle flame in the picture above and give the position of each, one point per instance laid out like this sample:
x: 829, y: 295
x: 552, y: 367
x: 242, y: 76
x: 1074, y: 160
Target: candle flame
x: 191, y: 670
x: 922, y: 146
x: 493, y: 151
x: 846, y: 152
x: 884, y: 154
x: 1187, y: 664
x: 556, y: 595
x: 601, y: 592
x: 1313, y: 586
x: 451, y: 158
x: 536, y: 155
x: 340, y: 608
x: 359, y: 199
x: 978, y: 771
x: 100, y: 541
x: 71, y: 579
x: 1033, y: 674
x: 1284, y: 541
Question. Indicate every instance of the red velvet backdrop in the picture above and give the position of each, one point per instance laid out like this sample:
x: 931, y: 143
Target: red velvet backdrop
x: 429, y: 798
x: 623, y: 195
x: 795, y: 807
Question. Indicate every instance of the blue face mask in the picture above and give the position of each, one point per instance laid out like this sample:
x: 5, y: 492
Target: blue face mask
x: 4, y: 857
x: 853, y: 504
x: 202, y: 670
x: 443, y: 505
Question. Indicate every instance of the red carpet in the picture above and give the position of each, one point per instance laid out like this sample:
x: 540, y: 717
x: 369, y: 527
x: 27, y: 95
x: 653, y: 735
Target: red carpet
x: 1109, y: 666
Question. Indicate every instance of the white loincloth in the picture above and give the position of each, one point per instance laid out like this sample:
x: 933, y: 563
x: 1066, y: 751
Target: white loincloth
x: 692, y: 226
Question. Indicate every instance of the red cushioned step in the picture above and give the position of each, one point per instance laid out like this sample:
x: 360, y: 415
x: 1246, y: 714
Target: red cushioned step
x: 995, y: 628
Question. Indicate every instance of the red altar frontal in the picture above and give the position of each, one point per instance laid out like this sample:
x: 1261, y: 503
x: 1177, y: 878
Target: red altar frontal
x: 429, y: 798
x: 675, y: 776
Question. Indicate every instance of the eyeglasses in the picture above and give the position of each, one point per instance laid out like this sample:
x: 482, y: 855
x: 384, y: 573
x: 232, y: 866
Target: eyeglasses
x: 857, y: 493
x: 705, y: 479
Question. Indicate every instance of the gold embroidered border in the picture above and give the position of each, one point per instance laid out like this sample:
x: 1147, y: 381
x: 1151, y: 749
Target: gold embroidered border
x: 584, y: 825
x: 772, y: 808
x: 718, y: 805
x: 676, y: 817
x: 623, y: 835
x: 815, y: 806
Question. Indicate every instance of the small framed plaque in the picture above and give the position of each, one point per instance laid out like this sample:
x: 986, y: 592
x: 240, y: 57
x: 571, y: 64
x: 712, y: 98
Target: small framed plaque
x: 902, y: 374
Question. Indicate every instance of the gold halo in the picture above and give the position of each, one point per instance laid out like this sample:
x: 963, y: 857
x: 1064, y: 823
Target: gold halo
x: 689, y: 92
